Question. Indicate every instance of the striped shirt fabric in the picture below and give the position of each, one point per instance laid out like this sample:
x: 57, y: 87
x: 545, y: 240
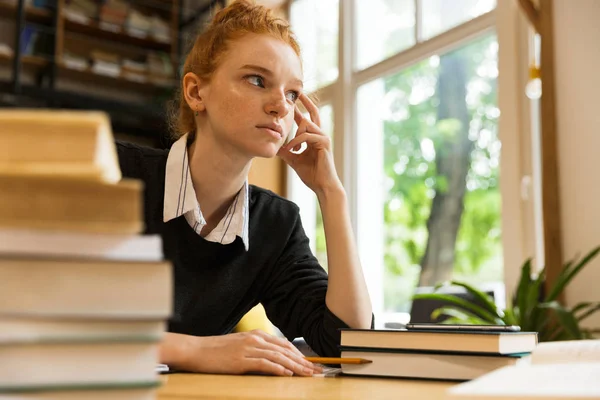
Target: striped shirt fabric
x: 180, y: 199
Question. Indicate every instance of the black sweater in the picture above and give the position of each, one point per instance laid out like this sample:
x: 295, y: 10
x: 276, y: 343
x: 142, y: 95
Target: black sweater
x: 215, y: 285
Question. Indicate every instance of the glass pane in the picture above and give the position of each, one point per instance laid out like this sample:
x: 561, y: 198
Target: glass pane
x: 440, y: 15
x: 326, y: 112
x: 384, y: 28
x: 436, y: 172
x: 315, y: 23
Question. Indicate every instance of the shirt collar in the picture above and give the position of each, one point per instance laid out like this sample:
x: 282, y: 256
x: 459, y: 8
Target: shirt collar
x: 180, y: 199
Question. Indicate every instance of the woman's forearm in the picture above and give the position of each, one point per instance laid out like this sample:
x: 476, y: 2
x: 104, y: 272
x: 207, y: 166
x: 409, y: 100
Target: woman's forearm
x: 347, y: 295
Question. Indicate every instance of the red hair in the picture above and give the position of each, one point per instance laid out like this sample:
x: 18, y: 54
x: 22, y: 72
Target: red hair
x: 233, y: 22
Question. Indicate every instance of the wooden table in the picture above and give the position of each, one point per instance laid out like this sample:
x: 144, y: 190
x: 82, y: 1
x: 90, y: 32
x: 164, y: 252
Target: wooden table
x: 200, y: 386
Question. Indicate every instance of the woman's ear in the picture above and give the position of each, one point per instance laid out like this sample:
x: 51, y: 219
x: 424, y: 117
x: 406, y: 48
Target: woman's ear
x: 193, y: 91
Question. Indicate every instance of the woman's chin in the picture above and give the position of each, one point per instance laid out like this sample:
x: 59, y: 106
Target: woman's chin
x: 266, y: 151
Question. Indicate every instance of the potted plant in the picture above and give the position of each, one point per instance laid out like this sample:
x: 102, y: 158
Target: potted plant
x: 530, y: 308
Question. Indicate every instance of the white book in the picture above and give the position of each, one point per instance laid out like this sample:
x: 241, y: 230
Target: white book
x: 556, y: 370
x: 67, y: 244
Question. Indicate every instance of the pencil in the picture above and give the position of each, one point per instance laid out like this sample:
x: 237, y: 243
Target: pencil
x: 335, y: 360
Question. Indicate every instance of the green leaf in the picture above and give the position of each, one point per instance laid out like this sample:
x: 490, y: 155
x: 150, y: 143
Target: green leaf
x: 466, y: 305
x: 509, y: 317
x: 531, y: 312
x: 485, y: 300
x: 569, y: 273
x: 581, y: 306
x: 592, y: 309
x: 566, y: 318
x: 457, y: 315
x: 522, y: 289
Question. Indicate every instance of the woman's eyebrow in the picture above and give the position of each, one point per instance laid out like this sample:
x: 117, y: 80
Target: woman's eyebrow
x: 268, y: 72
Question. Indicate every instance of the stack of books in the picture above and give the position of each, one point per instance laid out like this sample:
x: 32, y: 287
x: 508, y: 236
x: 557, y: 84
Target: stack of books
x: 84, y: 296
x: 105, y: 63
x: 442, y: 354
x: 113, y: 14
x: 81, y: 11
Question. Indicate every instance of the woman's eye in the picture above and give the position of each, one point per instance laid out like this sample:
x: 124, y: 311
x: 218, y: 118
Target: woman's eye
x: 292, y: 96
x: 256, y: 80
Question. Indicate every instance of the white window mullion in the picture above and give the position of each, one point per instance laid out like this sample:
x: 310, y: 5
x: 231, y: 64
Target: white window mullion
x: 517, y: 221
x: 361, y: 185
x: 418, y: 19
x: 343, y: 106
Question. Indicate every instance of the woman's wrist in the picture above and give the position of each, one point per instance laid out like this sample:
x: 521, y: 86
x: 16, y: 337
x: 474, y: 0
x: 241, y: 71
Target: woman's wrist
x: 334, y: 192
x: 176, y: 349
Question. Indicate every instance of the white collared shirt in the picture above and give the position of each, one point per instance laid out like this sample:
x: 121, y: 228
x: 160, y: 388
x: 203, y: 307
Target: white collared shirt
x: 180, y: 198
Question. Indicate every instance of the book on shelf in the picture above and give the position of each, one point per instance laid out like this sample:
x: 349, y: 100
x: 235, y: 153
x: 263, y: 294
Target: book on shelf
x: 555, y: 370
x: 52, y: 143
x: 6, y: 50
x: 74, y: 61
x: 114, y: 12
x: 138, y: 24
x: 436, y: 341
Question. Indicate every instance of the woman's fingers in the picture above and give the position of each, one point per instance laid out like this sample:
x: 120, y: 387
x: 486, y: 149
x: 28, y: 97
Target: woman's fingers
x: 287, y: 348
x: 309, y: 138
x: 266, y: 366
x: 282, y: 351
x: 279, y: 342
x: 306, y: 125
x: 312, y: 109
x: 276, y: 356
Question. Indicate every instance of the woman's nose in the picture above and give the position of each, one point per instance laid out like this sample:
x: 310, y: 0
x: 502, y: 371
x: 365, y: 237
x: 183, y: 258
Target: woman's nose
x: 277, y: 105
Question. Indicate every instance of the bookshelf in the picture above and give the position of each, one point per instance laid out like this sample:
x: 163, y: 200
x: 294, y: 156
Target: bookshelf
x: 33, y: 14
x: 92, y: 55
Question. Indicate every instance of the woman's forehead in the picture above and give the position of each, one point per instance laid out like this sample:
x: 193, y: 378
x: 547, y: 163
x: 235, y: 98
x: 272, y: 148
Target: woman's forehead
x: 264, y: 51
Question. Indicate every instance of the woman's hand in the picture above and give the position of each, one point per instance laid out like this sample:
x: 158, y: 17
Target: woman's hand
x: 315, y: 164
x: 238, y: 353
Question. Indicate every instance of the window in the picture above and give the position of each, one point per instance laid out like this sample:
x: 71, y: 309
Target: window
x: 415, y: 106
x: 437, y: 169
x: 315, y: 24
x: 384, y: 27
x: 440, y: 15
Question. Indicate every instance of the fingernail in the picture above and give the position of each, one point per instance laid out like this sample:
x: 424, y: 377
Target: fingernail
x: 288, y: 372
x: 308, y: 371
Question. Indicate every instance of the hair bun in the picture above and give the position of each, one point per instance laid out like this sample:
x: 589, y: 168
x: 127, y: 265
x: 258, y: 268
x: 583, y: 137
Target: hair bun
x: 236, y: 9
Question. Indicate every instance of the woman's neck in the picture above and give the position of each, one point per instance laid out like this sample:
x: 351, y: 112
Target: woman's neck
x: 218, y: 174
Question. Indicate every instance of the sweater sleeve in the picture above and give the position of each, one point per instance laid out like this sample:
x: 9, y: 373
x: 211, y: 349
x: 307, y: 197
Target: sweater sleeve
x: 294, y: 297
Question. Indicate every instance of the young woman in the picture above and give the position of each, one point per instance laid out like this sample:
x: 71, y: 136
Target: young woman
x: 234, y: 245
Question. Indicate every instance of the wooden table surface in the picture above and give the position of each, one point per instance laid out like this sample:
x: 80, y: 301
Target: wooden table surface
x: 201, y: 386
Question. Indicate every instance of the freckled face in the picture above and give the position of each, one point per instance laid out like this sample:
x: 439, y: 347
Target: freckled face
x: 251, y: 96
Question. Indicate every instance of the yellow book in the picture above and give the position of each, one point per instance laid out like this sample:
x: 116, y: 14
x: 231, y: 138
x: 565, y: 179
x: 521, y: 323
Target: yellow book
x: 61, y: 204
x: 75, y: 144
